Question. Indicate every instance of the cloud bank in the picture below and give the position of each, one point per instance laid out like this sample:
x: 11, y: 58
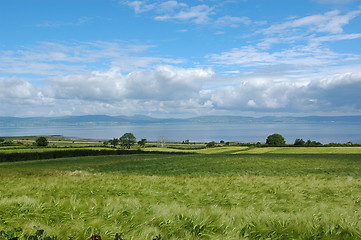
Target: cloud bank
x: 167, y: 89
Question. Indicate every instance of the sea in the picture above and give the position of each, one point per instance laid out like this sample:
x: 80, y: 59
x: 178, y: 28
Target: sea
x: 324, y: 132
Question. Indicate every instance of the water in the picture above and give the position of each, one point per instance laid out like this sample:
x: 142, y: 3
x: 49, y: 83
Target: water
x: 197, y: 132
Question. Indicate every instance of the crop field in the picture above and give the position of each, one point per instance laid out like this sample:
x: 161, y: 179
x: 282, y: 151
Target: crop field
x: 229, y: 193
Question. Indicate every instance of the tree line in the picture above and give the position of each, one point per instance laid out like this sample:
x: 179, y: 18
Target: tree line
x: 127, y: 140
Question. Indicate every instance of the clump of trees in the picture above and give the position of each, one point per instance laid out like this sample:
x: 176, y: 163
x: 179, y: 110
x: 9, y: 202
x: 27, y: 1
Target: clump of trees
x: 6, y: 142
x: 114, y: 142
x: 278, y: 140
x: 126, y: 141
x: 142, y: 142
x: 42, y: 142
x: 308, y: 143
x: 275, y: 140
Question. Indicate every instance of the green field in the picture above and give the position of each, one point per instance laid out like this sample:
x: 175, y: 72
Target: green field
x: 229, y: 193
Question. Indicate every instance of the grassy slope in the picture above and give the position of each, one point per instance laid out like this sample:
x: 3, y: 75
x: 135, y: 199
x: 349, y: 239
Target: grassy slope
x: 248, y: 196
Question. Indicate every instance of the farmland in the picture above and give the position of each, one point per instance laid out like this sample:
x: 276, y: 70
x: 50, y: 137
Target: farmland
x: 232, y: 192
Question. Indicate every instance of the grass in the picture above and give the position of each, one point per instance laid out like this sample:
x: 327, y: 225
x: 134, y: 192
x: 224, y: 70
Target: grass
x: 28, y: 141
x: 262, y: 150
x: 197, y: 165
x: 48, y: 149
x: 303, y: 150
x: 282, y: 194
x: 215, y: 150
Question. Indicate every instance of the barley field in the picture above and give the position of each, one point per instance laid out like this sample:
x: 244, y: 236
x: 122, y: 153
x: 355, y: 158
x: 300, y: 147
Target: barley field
x: 281, y: 194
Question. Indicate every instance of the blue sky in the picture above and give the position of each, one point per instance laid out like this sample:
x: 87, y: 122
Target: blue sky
x: 180, y: 58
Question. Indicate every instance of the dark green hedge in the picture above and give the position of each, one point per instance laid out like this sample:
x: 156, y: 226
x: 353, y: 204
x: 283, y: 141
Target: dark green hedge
x: 24, y: 156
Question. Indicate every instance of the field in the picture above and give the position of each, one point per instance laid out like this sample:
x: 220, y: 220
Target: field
x: 228, y: 193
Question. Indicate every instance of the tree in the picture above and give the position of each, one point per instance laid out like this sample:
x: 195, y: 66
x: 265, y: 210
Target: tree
x: 142, y: 142
x: 310, y: 143
x: 42, y: 142
x: 211, y: 144
x: 275, y: 140
x: 127, y: 140
x: 114, y: 142
x: 162, y: 140
x: 299, y: 142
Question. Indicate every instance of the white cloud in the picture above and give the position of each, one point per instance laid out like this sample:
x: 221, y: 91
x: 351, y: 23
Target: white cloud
x: 165, y: 89
x: 310, y: 55
x: 311, y: 30
x: 336, y: 37
x: 258, y: 93
x: 170, y: 6
x: 162, y: 83
x: 198, y: 14
x: 174, y: 10
x: 340, y: 90
x: 329, y: 22
x: 159, y: 6
x: 19, y: 91
x: 265, y: 93
x: 50, y: 58
x: 140, y: 6
x: 170, y: 90
x: 232, y: 21
x: 16, y: 88
x: 334, y: 1
x: 183, y: 12
x: 78, y: 22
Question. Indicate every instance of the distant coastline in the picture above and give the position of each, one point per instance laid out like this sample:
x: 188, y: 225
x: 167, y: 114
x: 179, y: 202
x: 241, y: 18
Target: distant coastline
x: 140, y: 119
x: 341, y: 129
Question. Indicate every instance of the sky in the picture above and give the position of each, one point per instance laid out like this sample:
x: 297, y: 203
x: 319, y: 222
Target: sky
x: 180, y: 58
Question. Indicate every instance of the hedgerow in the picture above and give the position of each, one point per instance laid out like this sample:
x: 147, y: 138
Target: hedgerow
x: 39, y: 155
x: 23, y: 156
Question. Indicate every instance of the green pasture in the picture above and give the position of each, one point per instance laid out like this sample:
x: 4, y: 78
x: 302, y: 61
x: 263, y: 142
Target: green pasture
x: 215, y: 150
x: 28, y: 141
x: 285, y: 193
x: 261, y: 150
x: 307, y: 150
x: 47, y: 149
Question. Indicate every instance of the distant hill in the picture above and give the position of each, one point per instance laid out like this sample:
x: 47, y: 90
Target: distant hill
x: 141, y: 119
